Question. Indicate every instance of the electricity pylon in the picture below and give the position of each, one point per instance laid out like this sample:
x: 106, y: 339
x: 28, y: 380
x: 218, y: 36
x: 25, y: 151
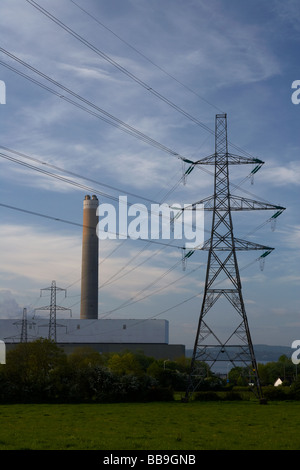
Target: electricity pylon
x: 24, y: 326
x: 53, y: 308
x: 233, y: 345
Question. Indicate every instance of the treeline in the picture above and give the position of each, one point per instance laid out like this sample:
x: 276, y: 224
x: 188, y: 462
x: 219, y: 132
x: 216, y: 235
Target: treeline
x: 213, y: 388
x: 40, y: 371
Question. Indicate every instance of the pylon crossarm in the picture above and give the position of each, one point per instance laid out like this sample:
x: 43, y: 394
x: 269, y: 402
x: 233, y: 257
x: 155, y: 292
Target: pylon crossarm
x: 227, y: 158
x: 247, y: 245
x: 240, y: 245
x: 236, y: 203
x: 243, y: 203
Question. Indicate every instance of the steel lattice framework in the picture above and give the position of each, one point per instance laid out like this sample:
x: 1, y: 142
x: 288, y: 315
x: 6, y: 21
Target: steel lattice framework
x: 222, y: 272
x: 52, y: 308
x: 24, y: 335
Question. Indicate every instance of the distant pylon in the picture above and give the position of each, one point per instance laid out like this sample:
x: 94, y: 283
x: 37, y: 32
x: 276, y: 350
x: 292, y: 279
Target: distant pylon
x: 53, y: 308
x: 24, y: 326
x: 232, y: 343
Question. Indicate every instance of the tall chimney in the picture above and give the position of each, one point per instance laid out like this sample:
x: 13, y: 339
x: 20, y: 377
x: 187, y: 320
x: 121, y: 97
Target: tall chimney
x: 89, y: 263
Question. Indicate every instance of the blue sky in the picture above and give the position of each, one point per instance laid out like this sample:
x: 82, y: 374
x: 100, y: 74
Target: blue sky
x: 205, y: 57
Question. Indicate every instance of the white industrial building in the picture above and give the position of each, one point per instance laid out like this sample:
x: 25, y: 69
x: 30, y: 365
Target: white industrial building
x: 151, y: 337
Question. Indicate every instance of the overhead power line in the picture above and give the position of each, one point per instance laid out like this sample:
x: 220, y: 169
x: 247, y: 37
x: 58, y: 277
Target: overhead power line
x: 188, y: 299
x: 62, y: 179
x: 63, y: 170
x: 58, y: 219
x: 106, y: 117
x: 127, y: 72
x: 126, y: 128
x: 116, y: 64
x: 145, y: 57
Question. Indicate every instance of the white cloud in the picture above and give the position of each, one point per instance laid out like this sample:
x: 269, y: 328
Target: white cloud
x: 282, y: 175
x: 39, y: 255
x: 9, y: 307
x: 88, y: 72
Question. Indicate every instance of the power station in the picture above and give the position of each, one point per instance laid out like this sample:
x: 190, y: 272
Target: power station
x: 150, y: 337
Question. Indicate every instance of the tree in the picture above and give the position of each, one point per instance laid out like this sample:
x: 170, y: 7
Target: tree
x: 29, y: 366
x: 125, y: 364
x: 283, y: 369
x: 86, y: 356
x: 238, y: 376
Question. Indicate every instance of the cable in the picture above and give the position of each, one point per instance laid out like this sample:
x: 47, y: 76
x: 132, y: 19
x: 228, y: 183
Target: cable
x: 180, y: 303
x: 62, y: 220
x: 169, y: 308
x: 100, y: 183
x: 116, y: 64
x: 57, y: 219
x: 134, y: 299
x: 81, y: 186
x: 70, y: 182
x: 118, y: 123
x: 125, y: 71
x: 147, y: 58
x: 113, y: 121
x: 58, y: 177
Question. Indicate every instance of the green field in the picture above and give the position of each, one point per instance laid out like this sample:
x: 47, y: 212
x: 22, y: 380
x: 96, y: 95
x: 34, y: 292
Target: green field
x: 151, y: 426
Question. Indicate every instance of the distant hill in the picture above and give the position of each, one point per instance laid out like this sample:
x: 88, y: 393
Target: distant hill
x: 263, y: 352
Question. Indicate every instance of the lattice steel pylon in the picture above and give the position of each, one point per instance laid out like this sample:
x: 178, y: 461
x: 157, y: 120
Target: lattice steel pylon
x: 24, y: 326
x: 234, y: 344
x: 52, y: 308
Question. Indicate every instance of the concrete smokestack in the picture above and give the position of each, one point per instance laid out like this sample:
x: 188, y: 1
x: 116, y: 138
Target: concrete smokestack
x: 89, y: 266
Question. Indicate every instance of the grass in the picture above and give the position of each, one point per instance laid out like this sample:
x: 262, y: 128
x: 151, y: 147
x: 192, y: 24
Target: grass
x: 151, y: 426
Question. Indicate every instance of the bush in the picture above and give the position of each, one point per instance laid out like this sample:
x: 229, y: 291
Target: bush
x: 295, y: 390
x: 277, y: 393
x: 221, y: 396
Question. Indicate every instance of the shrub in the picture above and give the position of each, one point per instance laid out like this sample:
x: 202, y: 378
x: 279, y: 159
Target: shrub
x: 276, y: 393
x: 295, y: 390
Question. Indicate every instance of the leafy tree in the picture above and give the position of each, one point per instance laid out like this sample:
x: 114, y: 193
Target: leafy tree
x: 169, y: 374
x: 29, y: 367
x: 86, y: 356
x: 283, y: 369
x: 126, y: 363
x: 238, y: 376
x: 144, y: 361
x: 295, y: 389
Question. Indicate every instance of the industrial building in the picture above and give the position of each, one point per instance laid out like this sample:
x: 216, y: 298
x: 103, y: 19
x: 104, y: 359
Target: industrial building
x: 150, y: 337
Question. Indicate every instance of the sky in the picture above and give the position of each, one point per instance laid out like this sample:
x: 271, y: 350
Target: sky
x: 84, y: 80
